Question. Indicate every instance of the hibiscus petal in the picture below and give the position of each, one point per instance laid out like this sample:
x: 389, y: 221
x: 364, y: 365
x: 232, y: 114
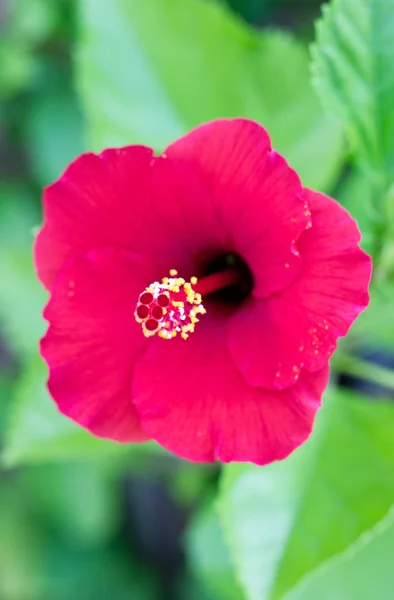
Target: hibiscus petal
x: 181, y: 224
x: 272, y: 340
x: 194, y: 402
x: 127, y: 198
x: 93, y: 341
x: 98, y: 201
x: 257, y: 197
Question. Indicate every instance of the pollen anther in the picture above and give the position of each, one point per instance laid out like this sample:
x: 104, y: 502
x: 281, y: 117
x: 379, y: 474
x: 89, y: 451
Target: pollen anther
x: 169, y: 307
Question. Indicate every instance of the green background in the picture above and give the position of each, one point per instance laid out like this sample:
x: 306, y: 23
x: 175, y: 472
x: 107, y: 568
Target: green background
x: 91, y: 520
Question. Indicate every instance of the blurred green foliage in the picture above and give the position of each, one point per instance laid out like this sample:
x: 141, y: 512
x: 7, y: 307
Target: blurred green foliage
x: 318, y: 512
x: 225, y: 70
x: 363, y: 571
x: 76, y: 519
x: 208, y: 555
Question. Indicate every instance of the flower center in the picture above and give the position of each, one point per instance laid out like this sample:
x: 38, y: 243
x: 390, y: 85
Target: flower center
x: 174, y: 305
x: 238, y: 289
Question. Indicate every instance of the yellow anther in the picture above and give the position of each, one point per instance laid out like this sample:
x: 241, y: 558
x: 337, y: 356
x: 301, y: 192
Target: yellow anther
x: 179, y: 315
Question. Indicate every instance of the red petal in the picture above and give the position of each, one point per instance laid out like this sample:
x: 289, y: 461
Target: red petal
x: 180, y: 225
x: 93, y: 341
x: 194, y: 402
x: 127, y: 199
x: 257, y: 196
x: 271, y: 340
x: 97, y: 202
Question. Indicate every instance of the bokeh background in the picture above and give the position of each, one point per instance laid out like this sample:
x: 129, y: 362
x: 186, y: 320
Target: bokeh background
x: 86, y: 519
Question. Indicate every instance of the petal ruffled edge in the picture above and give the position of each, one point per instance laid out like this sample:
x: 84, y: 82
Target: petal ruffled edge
x: 93, y: 342
x: 272, y: 340
x: 90, y: 206
x: 194, y: 402
x: 257, y: 197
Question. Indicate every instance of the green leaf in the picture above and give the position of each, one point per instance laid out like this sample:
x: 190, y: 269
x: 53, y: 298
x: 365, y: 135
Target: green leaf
x: 51, y: 489
x: 18, y: 214
x: 208, y: 556
x: 51, y: 143
x: 32, y: 21
x: 149, y: 71
x: 17, y: 66
x: 353, y: 67
x: 256, y: 508
x: 38, y: 432
x: 190, y: 482
x: 110, y: 572
x: 22, y: 300
x: 284, y: 520
x: 28, y: 24
x: 354, y: 195
x: 20, y: 548
x: 364, y: 571
x: 376, y: 323
x: 6, y: 382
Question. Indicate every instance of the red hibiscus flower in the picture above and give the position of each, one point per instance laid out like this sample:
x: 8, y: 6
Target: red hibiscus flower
x: 226, y: 358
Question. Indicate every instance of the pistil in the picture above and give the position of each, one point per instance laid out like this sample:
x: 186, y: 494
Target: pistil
x: 174, y: 306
